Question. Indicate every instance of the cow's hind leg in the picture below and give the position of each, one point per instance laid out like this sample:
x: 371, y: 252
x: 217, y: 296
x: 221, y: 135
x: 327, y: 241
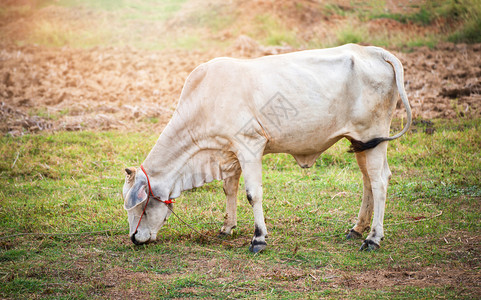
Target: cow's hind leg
x: 367, y: 205
x: 231, y: 186
x: 379, y: 174
x: 253, y: 183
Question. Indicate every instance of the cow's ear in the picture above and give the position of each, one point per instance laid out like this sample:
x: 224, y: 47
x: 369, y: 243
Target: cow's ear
x: 130, y: 171
x: 137, y: 195
x: 130, y: 175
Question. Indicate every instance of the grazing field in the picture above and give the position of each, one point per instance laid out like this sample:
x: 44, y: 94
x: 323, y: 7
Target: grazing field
x: 53, y: 184
x: 87, y: 86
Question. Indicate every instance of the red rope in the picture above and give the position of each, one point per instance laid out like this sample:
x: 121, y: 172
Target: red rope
x: 150, y: 189
x: 151, y: 194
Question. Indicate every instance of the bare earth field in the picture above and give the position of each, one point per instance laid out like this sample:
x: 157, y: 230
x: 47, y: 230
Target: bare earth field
x: 99, y: 89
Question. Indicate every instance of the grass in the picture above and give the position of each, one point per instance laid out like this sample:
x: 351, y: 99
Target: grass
x: 86, y: 24
x: 461, y: 19
x: 164, y: 24
x: 271, y: 31
x: 57, y: 34
x: 470, y: 15
x: 422, y: 17
x: 352, y: 34
x: 126, y: 9
x: 71, y: 182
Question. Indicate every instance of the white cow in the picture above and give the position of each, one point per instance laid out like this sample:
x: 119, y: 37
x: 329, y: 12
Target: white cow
x: 233, y: 111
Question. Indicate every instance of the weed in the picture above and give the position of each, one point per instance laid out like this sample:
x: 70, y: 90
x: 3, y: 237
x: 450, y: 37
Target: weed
x: 217, y: 17
x: 20, y: 287
x: 140, y: 24
x: 423, y: 17
x: 57, y: 34
x: 45, y: 113
x: 471, y: 28
x: 12, y: 255
x: 331, y: 9
x: 272, y: 32
x: 152, y: 120
x: 351, y: 34
x: 428, y: 41
x: 187, y: 42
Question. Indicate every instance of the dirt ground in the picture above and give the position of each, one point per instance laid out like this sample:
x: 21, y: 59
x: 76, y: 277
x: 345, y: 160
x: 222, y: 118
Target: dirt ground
x: 464, y: 277
x: 110, y: 88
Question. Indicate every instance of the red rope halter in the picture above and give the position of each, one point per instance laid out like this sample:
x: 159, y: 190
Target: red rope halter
x: 151, y: 194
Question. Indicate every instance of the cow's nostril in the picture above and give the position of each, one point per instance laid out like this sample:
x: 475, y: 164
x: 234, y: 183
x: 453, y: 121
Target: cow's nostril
x: 132, y: 238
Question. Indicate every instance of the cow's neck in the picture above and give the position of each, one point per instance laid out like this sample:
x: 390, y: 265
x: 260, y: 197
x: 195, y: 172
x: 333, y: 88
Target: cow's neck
x: 182, y: 159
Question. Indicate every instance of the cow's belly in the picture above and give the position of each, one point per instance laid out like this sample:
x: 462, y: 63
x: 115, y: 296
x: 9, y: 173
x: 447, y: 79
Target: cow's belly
x: 306, y: 135
x: 304, y: 140
x: 305, y: 123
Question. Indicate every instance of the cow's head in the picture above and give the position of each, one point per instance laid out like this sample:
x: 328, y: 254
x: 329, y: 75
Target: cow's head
x: 135, y: 193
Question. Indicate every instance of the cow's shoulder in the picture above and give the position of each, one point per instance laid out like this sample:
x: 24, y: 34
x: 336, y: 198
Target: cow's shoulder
x: 215, y: 65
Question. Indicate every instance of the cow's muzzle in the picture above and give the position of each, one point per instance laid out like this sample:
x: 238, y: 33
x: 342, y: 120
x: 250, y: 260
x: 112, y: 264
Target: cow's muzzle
x: 132, y: 238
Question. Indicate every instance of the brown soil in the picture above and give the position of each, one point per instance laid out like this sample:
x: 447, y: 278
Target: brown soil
x: 450, y: 277
x: 445, y: 82
x: 296, y: 278
x: 99, y: 89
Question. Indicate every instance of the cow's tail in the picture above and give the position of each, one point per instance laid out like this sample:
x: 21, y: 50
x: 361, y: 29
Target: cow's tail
x: 359, y: 146
x: 399, y: 73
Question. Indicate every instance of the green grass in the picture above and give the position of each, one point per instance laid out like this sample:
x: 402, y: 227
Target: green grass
x: 86, y: 24
x: 423, y: 17
x: 126, y: 9
x: 56, y: 34
x: 470, y: 14
x: 461, y: 19
x: 182, y: 24
x: 70, y: 182
x: 271, y: 31
x: 352, y: 34
x: 464, y: 12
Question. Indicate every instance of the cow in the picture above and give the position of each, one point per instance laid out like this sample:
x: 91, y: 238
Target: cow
x: 231, y: 112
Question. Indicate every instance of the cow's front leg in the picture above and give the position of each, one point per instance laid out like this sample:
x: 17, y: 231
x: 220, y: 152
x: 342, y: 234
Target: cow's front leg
x: 231, y: 186
x: 379, y: 175
x: 253, y: 183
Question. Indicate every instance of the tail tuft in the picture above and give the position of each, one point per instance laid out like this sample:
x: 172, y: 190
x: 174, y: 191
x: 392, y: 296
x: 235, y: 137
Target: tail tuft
x: 358, y: 146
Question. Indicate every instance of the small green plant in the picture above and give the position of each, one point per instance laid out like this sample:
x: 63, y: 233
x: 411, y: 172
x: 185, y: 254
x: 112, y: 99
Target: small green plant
x: 152, y: 120
x: 215, y: 17
x: 352, y: 34
x: 331, y: 9
x: 187, y: 42
x: 272, y: 32
x: 460, y: 112
x: 470, y: 31
x: 423, y: 17
x: 47, y: 114
x: 55, y: 34
x: 428, y: 41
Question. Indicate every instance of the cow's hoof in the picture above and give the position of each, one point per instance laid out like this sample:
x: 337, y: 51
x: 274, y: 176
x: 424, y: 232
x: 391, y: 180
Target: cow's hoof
x: 227, y: 230
x: 257, y: 247
x: 369, y: 246
x: 353, y: 235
